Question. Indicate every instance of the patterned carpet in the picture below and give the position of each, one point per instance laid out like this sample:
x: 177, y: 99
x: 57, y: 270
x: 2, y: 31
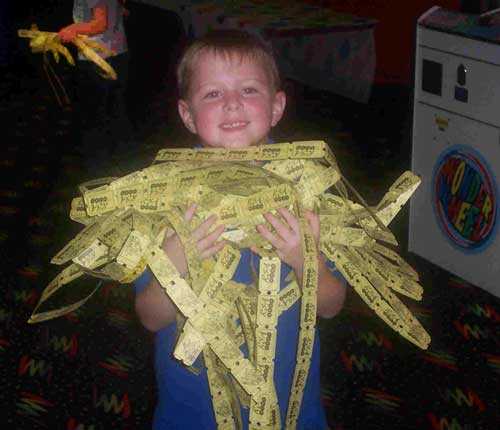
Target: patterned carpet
x: 92, y: 369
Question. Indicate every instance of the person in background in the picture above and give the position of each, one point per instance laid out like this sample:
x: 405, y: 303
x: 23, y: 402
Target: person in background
x: 104, y: 123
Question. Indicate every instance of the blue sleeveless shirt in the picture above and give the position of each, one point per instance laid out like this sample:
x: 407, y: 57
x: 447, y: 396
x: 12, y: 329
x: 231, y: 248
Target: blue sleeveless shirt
x: 184, y: 400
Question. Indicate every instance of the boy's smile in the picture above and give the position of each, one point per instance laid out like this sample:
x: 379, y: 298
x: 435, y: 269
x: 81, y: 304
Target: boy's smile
x: 231, y: 101
x: 234, y: 126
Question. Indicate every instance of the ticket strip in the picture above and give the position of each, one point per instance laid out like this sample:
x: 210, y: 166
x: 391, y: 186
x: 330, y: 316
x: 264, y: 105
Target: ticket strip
x: 127, y: 218
x: 264, y: 410
x: 307, y: 322
x: 45, y: 42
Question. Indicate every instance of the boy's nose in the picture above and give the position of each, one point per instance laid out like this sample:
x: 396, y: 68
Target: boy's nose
x: 232, y: 101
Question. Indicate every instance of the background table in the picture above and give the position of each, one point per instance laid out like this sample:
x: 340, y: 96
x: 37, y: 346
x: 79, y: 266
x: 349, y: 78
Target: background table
x: 313, y: 45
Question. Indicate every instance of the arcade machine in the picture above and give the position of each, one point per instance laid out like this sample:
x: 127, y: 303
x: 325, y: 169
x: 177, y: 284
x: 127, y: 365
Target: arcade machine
x: 456, y: 145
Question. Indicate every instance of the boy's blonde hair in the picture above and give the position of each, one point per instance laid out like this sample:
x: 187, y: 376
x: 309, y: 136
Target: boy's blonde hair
x: 228, y: 43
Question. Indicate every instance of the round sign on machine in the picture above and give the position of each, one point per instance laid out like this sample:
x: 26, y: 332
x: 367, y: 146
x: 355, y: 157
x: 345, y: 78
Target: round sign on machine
x: 465, y: 198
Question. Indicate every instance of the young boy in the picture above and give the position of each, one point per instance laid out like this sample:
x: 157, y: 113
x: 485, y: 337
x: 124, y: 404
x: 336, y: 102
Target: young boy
x: 229, y: 97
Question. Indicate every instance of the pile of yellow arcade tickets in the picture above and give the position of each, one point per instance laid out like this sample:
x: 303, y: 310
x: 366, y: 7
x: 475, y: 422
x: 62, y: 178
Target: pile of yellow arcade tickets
x: 127, y: 218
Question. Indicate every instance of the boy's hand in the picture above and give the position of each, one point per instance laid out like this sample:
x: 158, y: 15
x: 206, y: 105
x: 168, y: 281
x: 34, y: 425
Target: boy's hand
x: 206, y: 242
x: 286, y: 238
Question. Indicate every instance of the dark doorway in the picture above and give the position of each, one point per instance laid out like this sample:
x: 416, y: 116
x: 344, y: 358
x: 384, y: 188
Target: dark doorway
x: 155, y: 37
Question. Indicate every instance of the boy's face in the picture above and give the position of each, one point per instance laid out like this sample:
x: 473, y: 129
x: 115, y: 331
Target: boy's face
x: 231, y: 102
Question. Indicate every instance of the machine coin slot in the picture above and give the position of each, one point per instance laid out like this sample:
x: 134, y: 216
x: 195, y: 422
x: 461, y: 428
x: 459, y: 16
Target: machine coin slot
x: 432, y: 77
x: 461, y: 75
x: 461, y: 93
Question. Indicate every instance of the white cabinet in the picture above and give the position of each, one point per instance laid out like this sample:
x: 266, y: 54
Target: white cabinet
x: 456, y: 149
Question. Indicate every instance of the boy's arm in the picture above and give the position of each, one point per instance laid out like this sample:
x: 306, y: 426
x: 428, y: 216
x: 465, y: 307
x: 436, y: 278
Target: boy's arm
x: 98, y: 24
x: 331, y: 291
x: 153, y: 307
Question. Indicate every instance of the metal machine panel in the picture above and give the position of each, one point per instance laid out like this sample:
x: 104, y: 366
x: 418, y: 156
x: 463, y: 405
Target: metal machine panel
x: 478, y: 97
x: 454, y: 215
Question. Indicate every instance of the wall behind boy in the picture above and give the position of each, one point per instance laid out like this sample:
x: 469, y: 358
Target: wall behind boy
x: 397, y: 24
x: 155, y: 38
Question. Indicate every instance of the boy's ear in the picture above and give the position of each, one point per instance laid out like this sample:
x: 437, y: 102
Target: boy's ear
x: 278, y: 107
x: 186, y: 116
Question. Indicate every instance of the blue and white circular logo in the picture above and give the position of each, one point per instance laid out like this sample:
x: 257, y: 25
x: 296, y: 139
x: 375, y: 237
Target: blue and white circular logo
x: 465, y: 198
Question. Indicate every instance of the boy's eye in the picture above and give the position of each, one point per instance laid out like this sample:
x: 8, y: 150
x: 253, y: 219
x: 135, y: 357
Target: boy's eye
x: 212, y: 94
x: 250, y: 90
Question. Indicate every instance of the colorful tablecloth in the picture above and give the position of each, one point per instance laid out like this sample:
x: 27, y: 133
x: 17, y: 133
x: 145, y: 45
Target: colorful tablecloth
x: 313, y: 45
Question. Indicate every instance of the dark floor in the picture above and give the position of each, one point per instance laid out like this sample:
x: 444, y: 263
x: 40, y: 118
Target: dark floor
x: 92, y: 369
